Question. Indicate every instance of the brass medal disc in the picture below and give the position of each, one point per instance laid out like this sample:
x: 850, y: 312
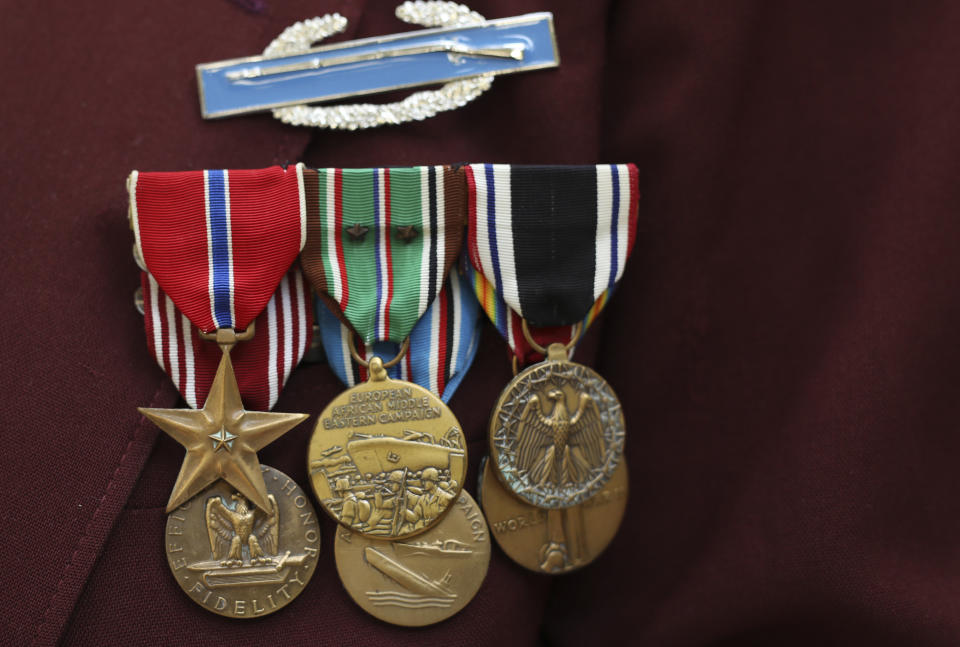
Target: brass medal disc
x: 554, y: 541
x: 237, y: 560
x: 419, y: 581
x: 387, y: 458
x: 556, y: 433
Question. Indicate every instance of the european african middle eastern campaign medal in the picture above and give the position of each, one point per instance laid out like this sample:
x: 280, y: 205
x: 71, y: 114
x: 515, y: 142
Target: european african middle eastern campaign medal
x: 387, y: 457
x: 242, y: 539
x: 547, y: 245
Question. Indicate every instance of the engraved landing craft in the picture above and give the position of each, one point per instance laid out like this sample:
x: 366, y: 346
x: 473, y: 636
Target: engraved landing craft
x: 375, y: 455
x: 384, y: 485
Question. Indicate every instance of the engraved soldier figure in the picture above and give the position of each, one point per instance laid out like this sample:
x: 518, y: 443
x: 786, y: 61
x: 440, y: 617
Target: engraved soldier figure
x: 432, y: 501
x: 356, y: 509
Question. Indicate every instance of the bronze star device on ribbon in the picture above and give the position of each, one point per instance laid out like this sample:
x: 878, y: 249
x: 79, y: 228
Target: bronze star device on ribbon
x: 547, y: 244
x: 242, y: 539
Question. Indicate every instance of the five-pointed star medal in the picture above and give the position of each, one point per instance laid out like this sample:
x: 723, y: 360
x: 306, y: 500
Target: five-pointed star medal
x: 222, y: 440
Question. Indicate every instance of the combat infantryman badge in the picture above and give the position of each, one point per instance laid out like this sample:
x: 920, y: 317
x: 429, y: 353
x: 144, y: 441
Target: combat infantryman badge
x: 464, y: 51
x: 238, y: 543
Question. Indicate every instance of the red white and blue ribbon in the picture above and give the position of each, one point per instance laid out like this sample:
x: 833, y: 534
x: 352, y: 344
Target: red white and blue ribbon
x: 262, y: 364
x: 217, y: 248
x: 443, y: 343
x: 219, y: 241
x: 551, y: 240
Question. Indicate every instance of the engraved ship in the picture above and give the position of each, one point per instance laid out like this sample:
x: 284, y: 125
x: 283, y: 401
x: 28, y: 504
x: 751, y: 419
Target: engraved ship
x: 374, y: 455
x: 448, y: 548
x: 402, y: 575
x: 215, y: 575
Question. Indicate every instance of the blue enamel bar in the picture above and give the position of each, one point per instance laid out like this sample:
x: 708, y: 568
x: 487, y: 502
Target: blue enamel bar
x: 379, y: 64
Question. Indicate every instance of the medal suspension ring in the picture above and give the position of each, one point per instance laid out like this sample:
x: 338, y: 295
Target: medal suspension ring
x: 300, y: 36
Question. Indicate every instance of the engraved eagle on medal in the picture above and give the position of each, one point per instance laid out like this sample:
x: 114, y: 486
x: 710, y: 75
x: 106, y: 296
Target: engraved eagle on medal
x: 557, y: 434
x: 555, y: 445
x: 235, y: 525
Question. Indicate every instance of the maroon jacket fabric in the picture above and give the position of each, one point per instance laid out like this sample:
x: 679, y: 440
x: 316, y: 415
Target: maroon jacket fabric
x: 784, y: 340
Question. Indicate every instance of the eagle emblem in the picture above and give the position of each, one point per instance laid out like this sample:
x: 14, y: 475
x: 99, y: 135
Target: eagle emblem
x: 555, y: 446
x: 233, y: 525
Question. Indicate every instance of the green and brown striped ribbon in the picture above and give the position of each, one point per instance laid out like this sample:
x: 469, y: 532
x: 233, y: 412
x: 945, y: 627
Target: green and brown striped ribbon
x: 380, y: 242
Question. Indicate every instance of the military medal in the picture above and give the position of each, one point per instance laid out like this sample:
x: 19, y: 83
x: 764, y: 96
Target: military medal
x: 557, y: 431
x: 418, y: 581
x: 237, y: 559
x: 388, y: 458
x: 239, y: 535
x: 553, y: 541
x: 546, y: 246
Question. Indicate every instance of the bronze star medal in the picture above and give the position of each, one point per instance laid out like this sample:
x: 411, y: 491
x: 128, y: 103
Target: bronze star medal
x: 222, y: 440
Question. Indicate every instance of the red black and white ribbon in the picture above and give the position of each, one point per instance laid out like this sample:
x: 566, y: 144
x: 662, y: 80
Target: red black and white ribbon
x: 509, y: 324
x: 262, y: 364
x: 551, y: 240
x: 219, y: 241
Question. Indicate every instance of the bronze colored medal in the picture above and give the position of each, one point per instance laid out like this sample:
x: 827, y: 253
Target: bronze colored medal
x: 222, y: 438
x: 387, y: 457
x: 237, y: 560
x: 554, y: 541
x: 557, y: 432
x: 419, y: 581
